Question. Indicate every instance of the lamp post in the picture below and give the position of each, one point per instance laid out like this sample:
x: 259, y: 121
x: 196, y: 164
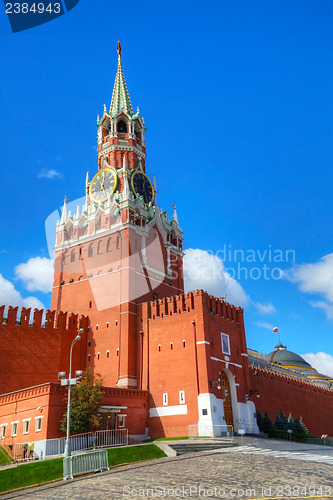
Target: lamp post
x: 69, y: 382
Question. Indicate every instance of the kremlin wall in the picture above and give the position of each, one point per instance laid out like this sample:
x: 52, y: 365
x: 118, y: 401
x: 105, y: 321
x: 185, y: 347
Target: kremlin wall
x: 172, y: 363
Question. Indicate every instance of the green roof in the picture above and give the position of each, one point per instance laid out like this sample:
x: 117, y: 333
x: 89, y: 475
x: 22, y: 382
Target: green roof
x: 284, y: 357
x: 120, y: 96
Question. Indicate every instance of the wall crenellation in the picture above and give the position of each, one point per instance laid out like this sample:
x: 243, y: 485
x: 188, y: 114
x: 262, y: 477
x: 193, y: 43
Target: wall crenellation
x: 186, y: 302
x: 53, y: 320
x: 300, y: 383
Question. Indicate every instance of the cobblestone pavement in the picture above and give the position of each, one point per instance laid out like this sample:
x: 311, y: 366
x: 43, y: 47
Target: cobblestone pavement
x: 228, y: 474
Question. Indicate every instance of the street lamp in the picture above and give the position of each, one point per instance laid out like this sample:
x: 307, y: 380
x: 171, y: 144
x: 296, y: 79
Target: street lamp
x: 69, y: 382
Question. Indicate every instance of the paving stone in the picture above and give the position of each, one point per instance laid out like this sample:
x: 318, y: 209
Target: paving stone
x: 207, y: 473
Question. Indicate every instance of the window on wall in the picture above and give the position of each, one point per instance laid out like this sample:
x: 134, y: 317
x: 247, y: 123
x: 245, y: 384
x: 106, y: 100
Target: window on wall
x: 14, y: 428
x: 26, y: 424
x: 38, y: 426
x: 121, y: 420
x: 3, y: 431
x: 91, y: 251
x: 73, y: 256
x: 165, y: 398
x: 181, y: 397
x: 225, y: 343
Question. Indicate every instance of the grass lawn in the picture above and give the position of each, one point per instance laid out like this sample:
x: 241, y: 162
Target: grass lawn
x: 31, y: 473
x: 133, y: 454
x: 47, y: 470
x: 4, y: 457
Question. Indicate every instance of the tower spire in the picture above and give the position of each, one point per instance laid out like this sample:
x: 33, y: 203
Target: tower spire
x: 120, y: 96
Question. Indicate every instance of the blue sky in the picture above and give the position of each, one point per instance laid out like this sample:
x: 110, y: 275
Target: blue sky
x: 237, y: 98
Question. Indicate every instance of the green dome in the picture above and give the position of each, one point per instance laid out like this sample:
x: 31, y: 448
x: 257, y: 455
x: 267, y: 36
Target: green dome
x: 281, y: 356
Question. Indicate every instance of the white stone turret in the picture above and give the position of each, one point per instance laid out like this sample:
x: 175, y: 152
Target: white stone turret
x: 64, y: 212
x: 87, y: 187
x: 175, y: 216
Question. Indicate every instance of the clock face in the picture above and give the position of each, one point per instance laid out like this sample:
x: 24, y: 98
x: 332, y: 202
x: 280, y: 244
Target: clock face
x: 103, y: 185
x: 142, y: 186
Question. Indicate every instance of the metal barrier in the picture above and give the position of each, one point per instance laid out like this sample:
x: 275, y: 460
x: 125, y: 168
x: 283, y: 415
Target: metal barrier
x: 325, y: 441
x: 91, y: 461
x: 86, y: 441
x: 224, y: 432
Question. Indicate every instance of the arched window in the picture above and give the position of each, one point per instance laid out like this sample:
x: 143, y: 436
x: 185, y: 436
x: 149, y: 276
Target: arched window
x: 184, y: 343
x: 91, y: 251
x: 171, y: 345
x: 99, y: 248
x: 98, y: 223
x: 73, y: 256
x: 121, y: 127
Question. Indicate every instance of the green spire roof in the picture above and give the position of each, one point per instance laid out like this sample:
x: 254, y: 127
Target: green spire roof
x: 120, y: 96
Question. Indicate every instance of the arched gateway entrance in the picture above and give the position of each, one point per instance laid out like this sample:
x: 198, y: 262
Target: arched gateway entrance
x: 226, y: 396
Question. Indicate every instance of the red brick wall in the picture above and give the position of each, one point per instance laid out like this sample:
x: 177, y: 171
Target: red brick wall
x: 32, y: 355
x: 198, y: 319
x: 49, y: 402
x: 312, y: 403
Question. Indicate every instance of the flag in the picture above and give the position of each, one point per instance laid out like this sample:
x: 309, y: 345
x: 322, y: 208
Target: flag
x: 275, y: 329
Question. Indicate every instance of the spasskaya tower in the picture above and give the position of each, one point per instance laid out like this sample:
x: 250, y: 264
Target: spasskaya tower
x: 119, y: 249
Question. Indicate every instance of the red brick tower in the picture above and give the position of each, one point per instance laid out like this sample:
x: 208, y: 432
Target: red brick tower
x: 121, y: 249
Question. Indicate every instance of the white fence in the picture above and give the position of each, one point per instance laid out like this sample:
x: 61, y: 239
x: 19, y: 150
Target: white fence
x: 86, y: 441
x: 85, y: 462
x: 224, y: 432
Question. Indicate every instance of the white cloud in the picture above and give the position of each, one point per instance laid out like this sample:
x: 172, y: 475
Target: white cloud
x: 264, y: 308
x: 36, y: 274
x: 49, y: 173
x: 324, y: 306
x: 321, y: 361
x: 267, y: 326
x: 203, y: 270
x: 9, y: 296
x: 316, y: 278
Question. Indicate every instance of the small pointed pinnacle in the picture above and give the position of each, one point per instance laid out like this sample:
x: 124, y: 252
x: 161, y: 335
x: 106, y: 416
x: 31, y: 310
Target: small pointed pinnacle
x: 175, y: 216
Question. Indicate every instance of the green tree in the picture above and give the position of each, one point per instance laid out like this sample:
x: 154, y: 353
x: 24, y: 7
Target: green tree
x: 260, y: 420
x: 305, y: 430
x: 297, y: 426
x: 283, y: 420
x: 267, y: 423
x: 278, y: 424
x: 290, y: 422
x: 86, y: 398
